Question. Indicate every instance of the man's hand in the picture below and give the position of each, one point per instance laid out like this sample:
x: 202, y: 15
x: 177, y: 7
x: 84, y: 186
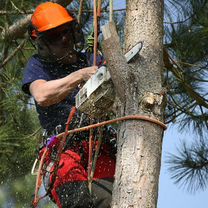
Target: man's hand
x: 87, y: 72
x: 47, y: 93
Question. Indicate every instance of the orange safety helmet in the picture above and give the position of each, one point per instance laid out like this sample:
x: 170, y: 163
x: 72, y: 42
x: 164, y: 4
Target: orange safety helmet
x: 48, y: 16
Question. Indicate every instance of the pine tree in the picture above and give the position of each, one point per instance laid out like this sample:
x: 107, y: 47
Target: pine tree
x: 17, y: 115
x: 185, y: 57
x: 187, y: 98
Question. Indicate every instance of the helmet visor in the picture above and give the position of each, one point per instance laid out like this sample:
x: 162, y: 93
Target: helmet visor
x: 57, y: 34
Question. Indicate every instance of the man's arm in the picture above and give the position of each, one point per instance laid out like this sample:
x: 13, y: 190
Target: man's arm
x: 47, y: 93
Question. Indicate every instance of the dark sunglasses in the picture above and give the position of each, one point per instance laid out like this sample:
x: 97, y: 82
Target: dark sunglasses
x: 57, y: 34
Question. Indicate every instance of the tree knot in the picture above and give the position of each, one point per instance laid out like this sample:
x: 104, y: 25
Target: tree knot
x: 149, y: 100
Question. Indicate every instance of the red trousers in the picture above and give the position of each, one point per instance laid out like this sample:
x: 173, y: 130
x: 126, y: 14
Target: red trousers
x: 72, y: 172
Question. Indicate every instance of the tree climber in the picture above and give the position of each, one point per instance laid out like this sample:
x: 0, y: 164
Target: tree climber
x: 52, y: 77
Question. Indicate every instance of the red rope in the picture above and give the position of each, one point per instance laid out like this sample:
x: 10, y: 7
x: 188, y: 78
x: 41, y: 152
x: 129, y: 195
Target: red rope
x: 71, y: 115
x: 86, y: 128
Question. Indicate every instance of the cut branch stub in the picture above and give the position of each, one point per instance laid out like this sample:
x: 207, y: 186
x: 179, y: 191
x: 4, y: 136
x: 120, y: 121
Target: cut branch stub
x: 115, y: 59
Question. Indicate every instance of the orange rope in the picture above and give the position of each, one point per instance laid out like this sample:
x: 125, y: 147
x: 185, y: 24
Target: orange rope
x: 71, y: 115
x: 117, y: 120
x: 39, y: 179
x: 97, y: 149
x: 91, y: 141
x: 99, y: 8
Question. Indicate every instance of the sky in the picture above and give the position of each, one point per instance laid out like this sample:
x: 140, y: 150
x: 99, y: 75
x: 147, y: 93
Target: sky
x: 170, y: 195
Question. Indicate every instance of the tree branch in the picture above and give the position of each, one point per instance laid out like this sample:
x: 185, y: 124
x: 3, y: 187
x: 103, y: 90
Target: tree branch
x: 115, y: 59
x: 2, y: 12
x: 177, y: 72
x: 19, y: 47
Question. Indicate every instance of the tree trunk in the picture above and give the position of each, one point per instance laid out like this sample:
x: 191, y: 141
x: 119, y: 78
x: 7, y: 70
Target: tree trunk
x: 139, y: 142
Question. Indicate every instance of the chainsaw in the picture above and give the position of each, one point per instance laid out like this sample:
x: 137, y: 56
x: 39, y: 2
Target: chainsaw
x: 97, y: 95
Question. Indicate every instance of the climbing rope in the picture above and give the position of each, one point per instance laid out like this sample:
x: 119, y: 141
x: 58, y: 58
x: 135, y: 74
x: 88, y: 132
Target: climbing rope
x: 97, y: 149
x: 96, y: 16
x: 39, y: 180
x: 95, y: 33
x: 89, y: 168
x: 116, y: 120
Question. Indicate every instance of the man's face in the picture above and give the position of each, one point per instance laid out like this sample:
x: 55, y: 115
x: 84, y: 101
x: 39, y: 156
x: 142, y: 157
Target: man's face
x: 60, y: 42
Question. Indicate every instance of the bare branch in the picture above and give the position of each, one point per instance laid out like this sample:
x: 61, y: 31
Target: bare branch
x: 15, y: 7
x: 19, y: 47
x: 4, y: 12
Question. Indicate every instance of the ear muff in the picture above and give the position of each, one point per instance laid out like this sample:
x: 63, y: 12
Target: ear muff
x: 33, y: 33
x: 43, y: 50
x: 78, y: 36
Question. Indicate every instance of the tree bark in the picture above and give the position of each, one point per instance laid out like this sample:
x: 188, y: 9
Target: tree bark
x: 139, y: 142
